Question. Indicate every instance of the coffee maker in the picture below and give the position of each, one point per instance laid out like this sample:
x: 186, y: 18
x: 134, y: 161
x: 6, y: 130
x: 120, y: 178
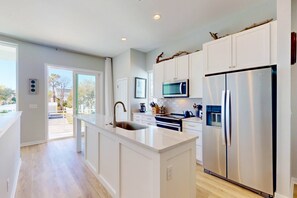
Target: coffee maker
x: 142, y: 108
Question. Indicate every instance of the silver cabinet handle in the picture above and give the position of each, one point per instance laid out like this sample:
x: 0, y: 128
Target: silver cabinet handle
x: 223, y: 117
x: 228, y: 117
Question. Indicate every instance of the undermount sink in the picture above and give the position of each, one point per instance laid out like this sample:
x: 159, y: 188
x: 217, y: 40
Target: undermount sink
x: 130, y: 126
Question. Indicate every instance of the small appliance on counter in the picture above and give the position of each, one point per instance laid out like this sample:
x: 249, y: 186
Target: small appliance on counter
x: 198, y: 110
x: 188, y: 114
x: 142, y: 108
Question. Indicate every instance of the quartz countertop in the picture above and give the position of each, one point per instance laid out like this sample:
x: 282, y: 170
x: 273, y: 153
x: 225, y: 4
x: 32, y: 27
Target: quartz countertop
x: 193, y: 119
x: 6, y: 120
x: 153, y: 138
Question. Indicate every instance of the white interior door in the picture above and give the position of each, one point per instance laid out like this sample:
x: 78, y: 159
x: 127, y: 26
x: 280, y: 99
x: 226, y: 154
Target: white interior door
x: 122, y: 95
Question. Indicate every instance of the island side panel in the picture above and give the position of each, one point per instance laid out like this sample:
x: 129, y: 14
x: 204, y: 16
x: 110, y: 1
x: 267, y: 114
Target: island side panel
x: 137, y: 171
x: 108, y: 161
x: 178, y: 171
x: 91, y: 147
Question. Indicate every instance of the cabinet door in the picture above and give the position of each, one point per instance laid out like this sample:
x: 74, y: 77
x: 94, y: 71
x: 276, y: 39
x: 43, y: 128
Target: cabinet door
x: 196, y: 74
x: 170, y: 70
x: 158, y: 80
x: 251, y: 48
x: 182, y: 67
x: 273, y: 43
x: 217, y: 55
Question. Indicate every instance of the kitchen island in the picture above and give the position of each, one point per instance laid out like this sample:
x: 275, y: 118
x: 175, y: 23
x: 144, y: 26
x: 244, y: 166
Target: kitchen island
x: 147, y: 163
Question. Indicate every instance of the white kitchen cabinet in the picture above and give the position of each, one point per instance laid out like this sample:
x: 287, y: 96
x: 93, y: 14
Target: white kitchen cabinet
x: 176, y: 69
x: 251, y: 48
x: 273, y: 44
x: 169, y: 70
x: 146, y: 119
x: 158, y: 70
x: 196, y: 74
x: 217, y: 55
x: 195, y: 128
x: 182, y: 67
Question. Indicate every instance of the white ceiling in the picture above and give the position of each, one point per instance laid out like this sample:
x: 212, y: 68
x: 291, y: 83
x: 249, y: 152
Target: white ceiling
x: 96, y: 26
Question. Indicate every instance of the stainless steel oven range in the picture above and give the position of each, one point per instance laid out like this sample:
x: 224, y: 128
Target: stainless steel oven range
x: 171, y: 121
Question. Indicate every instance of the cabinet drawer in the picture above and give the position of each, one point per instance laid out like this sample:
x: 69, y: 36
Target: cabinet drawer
x: 199, y: 154
x: 149, y: 123
x: 192, y: 126
x: 148, y: 118
x: 136, y: 117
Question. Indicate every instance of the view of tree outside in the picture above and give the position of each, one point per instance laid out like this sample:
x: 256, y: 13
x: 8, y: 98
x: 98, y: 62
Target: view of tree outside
x: 86, y: 94
x: 60, y: 100
x: 7, y: 78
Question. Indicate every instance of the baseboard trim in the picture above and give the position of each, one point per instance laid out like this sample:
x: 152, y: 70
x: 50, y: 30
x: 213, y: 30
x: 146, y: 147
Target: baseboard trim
x: 33, y: 143
x: 15, y: 182
x: 276, y: 195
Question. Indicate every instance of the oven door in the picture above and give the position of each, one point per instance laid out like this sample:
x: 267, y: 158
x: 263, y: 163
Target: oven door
x: 168, y: 125
x: 175, y: 89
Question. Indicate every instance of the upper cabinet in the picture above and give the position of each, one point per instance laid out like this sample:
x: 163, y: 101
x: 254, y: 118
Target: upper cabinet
x: 217, y: 55
x: 251, y: 48
x: 176, y: 69
x: 195, y: 74
x: 158, y: 70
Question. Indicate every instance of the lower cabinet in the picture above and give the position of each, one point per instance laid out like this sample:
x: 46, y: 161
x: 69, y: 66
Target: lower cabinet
x: 144, y: 119
x: 195, y: 128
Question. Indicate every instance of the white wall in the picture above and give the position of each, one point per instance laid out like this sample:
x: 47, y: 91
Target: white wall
x: 283, y: 98
x: 31, y: 64
x: 130, y: 64
x: 138, y: 69
x: 231, y: 24
x: 294, y: 99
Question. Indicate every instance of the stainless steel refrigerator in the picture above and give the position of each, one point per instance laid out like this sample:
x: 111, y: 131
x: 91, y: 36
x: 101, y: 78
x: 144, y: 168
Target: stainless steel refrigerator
x: 239, y: 130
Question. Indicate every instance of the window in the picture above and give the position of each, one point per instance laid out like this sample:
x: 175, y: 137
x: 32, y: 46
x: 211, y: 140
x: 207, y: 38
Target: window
x: 8, y: 57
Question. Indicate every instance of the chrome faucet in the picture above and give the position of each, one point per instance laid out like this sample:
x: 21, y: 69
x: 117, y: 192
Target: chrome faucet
x: 114, y: 112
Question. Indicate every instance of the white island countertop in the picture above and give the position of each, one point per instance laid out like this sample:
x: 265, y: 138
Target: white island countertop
x: 7, y: 119
x: 153, y: 138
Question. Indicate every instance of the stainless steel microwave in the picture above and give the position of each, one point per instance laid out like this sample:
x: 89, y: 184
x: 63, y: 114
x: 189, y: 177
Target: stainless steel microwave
x: 176, y: 89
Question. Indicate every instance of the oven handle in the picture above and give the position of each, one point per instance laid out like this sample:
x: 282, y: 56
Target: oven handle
x: 167, y: 124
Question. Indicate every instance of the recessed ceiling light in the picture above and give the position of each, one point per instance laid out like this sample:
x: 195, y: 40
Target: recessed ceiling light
x: 124, y: 38
x: 157, y: 17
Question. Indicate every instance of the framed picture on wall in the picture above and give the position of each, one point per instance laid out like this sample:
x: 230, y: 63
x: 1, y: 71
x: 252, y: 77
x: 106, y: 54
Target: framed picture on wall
x: 140, y: 87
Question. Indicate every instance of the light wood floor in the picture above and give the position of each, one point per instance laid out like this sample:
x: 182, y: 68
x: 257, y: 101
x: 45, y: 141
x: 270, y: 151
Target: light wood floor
x: 55, y: 170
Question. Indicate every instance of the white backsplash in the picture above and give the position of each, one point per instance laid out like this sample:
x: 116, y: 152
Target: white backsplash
x: 178, y: 105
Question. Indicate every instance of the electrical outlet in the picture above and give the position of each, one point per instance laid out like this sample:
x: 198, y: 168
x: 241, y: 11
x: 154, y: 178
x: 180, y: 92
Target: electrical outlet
x: 169, y: 173
x: 7, y: 184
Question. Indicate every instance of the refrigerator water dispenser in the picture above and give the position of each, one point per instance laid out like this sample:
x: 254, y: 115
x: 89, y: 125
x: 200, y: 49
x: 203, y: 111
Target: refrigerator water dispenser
x: 213, y: 115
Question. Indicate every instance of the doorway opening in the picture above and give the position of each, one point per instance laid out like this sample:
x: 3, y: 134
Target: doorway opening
x: 60, y: 103
x: 70, y: 91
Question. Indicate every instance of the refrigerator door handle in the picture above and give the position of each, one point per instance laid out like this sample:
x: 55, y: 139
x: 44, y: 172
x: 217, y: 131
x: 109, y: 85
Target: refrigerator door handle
x: 223, y: 117
x: 228, y: 117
